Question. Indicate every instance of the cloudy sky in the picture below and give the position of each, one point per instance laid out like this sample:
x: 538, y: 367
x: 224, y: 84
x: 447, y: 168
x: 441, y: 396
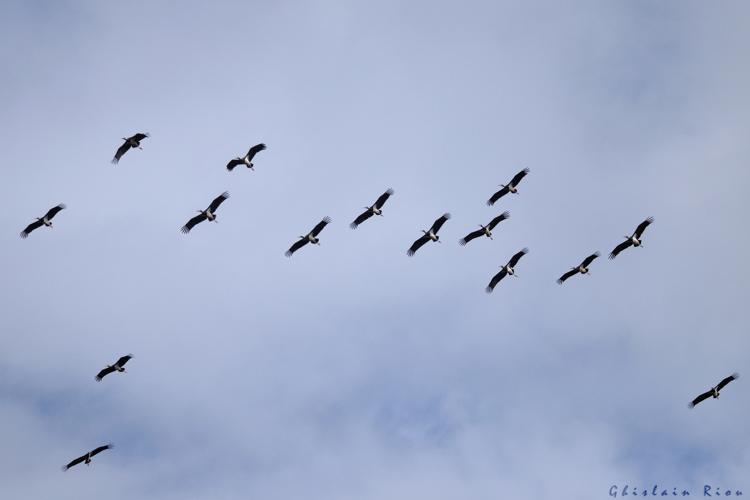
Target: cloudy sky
x: 351, y: 370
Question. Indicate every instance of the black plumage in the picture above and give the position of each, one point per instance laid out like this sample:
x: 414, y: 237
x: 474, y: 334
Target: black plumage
x: 45, y: 220
x: 86, y: 458
x: 714, y: 391
x: 484, y: 230
x: 246, y: 160
x: 633, y: 240
x: 430, y: 235
x: 117, y: 367
x: 507, y: 269
x: 311, y: 237
x: 133, y: 141
x: 511, y: 187
x: 207, y: 214
x: 582, y: 268
x: 374, y: 209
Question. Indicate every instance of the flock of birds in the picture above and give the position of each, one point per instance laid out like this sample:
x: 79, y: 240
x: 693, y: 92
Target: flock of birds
x: 429, y: 235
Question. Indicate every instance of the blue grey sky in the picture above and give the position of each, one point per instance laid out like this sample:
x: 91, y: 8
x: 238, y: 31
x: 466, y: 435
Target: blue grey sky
x: 351, y: 370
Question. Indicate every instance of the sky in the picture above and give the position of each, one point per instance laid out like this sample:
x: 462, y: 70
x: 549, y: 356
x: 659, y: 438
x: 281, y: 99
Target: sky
x: 351, y: 370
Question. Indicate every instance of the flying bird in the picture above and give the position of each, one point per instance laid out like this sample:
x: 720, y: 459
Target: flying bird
x: 375, y: 209
x: 633, y: 240
x: 117, y: 367
x: 42, y: 221
x: 507, y: 269
x: 130, y: 142
x: 582, y: 268
x: 311, y: 237
x: 485, y: 230
x: 430, y: 235
x: 511, y: 187
x: 88, y: 456
x: 714, y: 391
x: 207, y: 214
x: 246, y: 160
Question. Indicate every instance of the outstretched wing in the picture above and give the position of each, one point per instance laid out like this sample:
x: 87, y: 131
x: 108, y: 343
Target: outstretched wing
x: 567, y: 275
x: 619, y: 248
x: 124, y: 359
x: 724, y: 382
x: 497, y: 220
x: 360, y: 219
x: 138, y: 137
x: 320, y: 225
x: 218, y: 201
x: 517, y: 178
x: 498, y: 195
x: 74, y: 462
x: 439, y: 223
x: 514, y: 260
x: 588, y: 260
x: 104, y: 373
x: 495, y: 280
x: 100, y: 449
x: 31, y: 227
x: 383, y: 198
x: 234, y: 163
x: 297, y: 245
x: 474, y: 234
x: 255, y: 150
x: 417, y: 245
x: 192, y: 222
x: 53, y: 211
x: 642, y: 227
x: 700, y: 398
x: 121, y: 151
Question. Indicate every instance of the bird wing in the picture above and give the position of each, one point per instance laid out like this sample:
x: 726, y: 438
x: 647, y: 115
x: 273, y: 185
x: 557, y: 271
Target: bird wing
x: 642, y: 227
x: 567, y: 275
x: 192, y: 222
x: 297, y: 245
x: 700, y: 398
x: 497, y: 220
x: 724, y: 382
x: 360, y: 219
x: 234, y: 163
x: 417, y: 245
x: 495, y: 280
x: 514, y: 260
x: 498, y: 195
x: 320, y: 225
x: 121, y: 151
x: 619, y: 248
x: 104, y: 373
x: 218, y: 201
x: 474, y: 234
x: 31, y: 227
x: 255, y: 150
x: 588, y: 260
x: 75, y: 462
x: 100, y: 449
x: 53, y: 211
x: 520, y: 175
x: 439, y: 223
x: 138, y: 137
x: 383, y: 198
x: 124, y: 359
